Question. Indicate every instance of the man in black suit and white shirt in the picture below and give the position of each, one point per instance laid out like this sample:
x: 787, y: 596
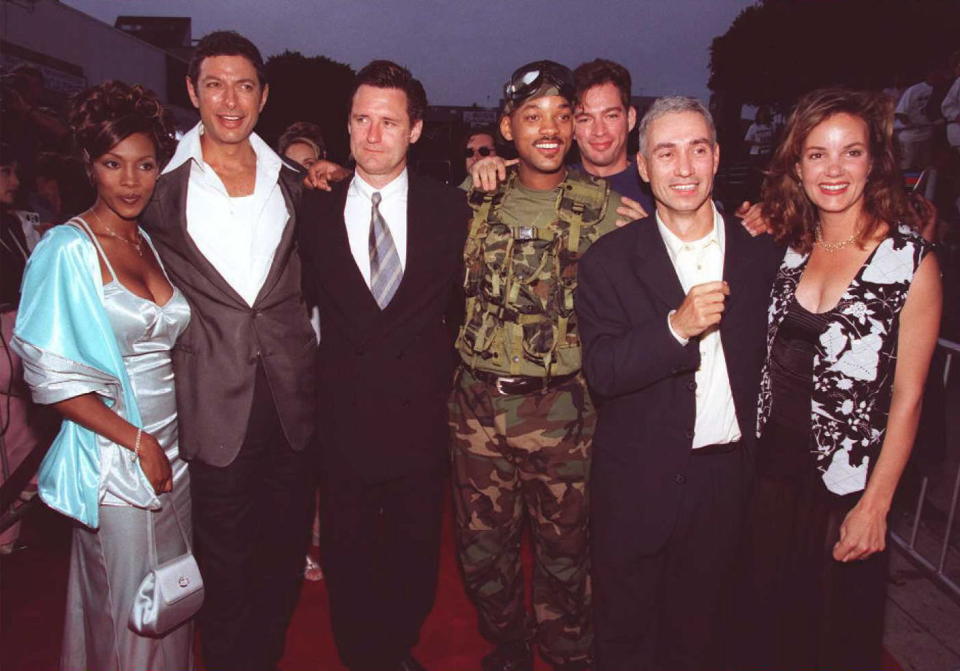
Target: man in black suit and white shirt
x: 384, y: 257
x: 672, y: 310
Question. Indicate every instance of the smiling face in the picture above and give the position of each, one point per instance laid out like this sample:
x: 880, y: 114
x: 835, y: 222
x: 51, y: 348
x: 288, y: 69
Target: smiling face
x: 125, y: 176
x: 680, y: 159
x: 229, y: 96
x: 302, y: 153
x: 542, y: 131
x: 380, y: 133
x: 835, y: 164
x: 9, y: 183
x: 601, y: 126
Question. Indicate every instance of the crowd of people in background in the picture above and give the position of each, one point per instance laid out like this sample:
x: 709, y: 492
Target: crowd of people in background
x: 696, y: 408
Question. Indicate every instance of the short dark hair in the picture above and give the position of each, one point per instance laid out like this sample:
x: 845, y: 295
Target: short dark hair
x: 389, y: 75
x: 482, y: 130
x: 601, y: 71
x: 305, y: 132
x: 226, y: 43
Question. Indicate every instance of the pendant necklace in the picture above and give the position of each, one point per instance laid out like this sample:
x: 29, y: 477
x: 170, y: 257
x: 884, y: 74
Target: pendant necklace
x: 137, y: 245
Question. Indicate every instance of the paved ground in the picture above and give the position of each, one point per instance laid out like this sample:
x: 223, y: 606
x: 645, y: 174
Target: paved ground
x: 923, y: 622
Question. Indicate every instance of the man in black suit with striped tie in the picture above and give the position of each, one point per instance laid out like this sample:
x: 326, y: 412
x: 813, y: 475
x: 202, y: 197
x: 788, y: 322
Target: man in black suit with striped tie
x: 383, y: 255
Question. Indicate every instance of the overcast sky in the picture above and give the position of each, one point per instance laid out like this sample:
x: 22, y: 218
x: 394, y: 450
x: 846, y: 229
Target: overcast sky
x: 463, y: 51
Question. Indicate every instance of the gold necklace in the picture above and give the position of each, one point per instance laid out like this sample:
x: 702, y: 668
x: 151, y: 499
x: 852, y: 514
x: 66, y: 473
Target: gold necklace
x: 831, y: 247
x: 137, y: 245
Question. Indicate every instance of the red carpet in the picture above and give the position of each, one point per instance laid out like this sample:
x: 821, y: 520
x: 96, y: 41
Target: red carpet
x: 33, y: 582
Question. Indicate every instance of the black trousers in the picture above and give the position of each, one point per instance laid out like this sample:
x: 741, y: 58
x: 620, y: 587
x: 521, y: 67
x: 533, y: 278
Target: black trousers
x: 665, y: 610
x: 380, y: 547
x: 251, y: 526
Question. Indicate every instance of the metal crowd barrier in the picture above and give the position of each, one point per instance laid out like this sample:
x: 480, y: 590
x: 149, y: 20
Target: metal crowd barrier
x: 934, y: 566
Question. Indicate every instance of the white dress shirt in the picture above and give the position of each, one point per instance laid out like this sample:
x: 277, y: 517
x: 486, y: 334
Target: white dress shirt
x: 237, y: 235
x: 697, y: 262
x: 393, y: 209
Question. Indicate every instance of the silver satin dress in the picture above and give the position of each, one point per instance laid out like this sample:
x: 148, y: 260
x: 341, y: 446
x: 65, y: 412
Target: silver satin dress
x: 108, y: 564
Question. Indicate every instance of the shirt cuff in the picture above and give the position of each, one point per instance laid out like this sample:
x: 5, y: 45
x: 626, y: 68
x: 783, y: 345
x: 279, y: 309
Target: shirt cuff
x: 682, y: 341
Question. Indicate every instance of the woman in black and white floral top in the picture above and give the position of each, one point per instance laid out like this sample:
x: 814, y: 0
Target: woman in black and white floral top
x: 853, y: 322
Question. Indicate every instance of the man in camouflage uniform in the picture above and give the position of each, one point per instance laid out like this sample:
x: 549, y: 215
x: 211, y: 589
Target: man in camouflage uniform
x: 520, y: 410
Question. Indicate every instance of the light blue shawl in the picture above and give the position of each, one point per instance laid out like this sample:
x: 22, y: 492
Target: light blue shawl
x: 69, y: 348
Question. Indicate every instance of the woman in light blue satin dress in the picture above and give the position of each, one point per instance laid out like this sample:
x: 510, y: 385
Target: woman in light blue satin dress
x: 97, y: 322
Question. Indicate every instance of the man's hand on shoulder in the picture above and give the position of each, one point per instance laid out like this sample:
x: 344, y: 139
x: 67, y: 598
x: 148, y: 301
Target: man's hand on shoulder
x: 488, y: 172
x: 630, y: 210
x: 753, y: 220
x: 323, y: 174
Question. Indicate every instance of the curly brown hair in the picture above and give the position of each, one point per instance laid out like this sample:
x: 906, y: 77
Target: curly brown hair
x: 792, y: 216
x: 103, y: 116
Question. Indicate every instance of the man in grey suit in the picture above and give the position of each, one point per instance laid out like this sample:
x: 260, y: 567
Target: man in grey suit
x: 222, y: 218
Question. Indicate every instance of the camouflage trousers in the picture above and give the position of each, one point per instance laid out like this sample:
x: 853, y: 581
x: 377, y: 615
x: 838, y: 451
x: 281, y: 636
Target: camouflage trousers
x: 518, y: 458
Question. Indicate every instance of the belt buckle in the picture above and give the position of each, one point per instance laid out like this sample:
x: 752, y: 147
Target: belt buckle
x: 499, y: 384
x: 525, y: 233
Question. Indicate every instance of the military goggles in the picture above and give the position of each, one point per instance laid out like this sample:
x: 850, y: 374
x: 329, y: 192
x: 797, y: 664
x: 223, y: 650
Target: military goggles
x: 530, y: 79
x: 483, y: 151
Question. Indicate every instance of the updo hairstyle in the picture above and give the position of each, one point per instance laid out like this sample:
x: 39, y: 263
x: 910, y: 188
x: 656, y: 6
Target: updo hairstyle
x: 103, y: 116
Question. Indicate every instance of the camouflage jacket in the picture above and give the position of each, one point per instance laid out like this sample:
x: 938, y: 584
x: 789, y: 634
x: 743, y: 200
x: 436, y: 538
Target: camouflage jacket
x: 521, y: 271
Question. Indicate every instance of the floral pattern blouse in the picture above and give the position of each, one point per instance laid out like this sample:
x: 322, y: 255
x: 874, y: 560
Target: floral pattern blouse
x: 855, y: 359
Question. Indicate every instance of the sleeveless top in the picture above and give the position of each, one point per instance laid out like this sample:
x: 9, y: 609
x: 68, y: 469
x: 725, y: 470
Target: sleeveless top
x: 854, y: 359
x: 146, y: 332
x: 784, y: 452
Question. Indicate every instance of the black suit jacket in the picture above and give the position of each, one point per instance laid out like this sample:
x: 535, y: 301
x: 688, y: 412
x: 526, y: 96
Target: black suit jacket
x: 645, y: 377
x: 385, y: 375
x: 215, y: 359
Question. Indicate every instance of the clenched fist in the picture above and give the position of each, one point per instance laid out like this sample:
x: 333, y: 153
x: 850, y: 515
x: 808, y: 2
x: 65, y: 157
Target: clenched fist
x: 701, y: 309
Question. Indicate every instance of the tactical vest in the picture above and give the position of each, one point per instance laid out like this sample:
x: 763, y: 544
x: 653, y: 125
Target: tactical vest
x: 520, y: 281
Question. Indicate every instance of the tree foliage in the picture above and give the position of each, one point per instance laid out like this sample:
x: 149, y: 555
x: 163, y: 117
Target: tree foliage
x: 776, y: 50
x: 308, y: 88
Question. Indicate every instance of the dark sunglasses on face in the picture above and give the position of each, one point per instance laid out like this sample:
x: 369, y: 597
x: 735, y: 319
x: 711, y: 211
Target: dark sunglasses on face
x: 483, y: 151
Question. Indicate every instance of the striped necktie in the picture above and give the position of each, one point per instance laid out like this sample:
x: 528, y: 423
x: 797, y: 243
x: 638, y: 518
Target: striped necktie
x: 385, y: 269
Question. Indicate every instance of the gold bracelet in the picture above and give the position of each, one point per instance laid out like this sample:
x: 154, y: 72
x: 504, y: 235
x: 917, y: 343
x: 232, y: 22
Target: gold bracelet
x: 136, y: 445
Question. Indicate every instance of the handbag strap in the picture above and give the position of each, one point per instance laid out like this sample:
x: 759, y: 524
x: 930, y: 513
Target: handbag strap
x: 152, y: 533
x: 183, y: 533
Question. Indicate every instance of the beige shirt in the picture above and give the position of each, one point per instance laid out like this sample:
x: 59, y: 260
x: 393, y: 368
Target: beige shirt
x: 697, y: 262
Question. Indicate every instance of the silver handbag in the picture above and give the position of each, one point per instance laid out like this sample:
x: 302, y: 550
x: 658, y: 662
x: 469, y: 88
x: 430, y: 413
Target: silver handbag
x: 170, y: 594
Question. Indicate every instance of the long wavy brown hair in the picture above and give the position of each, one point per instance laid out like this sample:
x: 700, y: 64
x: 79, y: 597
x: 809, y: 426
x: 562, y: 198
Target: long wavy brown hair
x: 792, y: 216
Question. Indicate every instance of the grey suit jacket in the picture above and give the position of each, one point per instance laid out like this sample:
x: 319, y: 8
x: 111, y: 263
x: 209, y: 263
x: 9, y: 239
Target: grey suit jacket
x: 216, y: 358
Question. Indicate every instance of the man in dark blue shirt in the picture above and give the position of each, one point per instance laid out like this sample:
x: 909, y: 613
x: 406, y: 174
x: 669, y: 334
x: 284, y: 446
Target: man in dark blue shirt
x: 603, y: 119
